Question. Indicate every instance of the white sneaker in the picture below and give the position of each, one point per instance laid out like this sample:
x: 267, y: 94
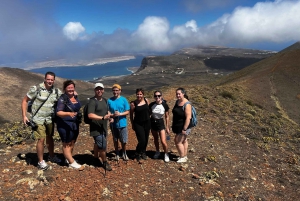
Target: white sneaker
x: 156, y: 155
x: 125, y: 157
x: 75, y: 165
x: 43, y: 165
x: 167, y: 159
x: 186, y: 157
x: 182, y: 160
x: 55, y: 159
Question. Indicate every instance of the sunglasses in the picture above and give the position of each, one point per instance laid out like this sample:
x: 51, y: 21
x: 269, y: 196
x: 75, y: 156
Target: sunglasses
x: 155, y: 96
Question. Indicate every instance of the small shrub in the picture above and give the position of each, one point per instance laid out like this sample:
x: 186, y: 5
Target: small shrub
x: 226, y: 94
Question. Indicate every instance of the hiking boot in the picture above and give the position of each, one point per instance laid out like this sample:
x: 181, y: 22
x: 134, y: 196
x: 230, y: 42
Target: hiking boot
x: 125, y: 157
x: 77, y: 166
x: 54, y: 159
x: 182, y: 160
x: 107, y: 166
x: 43, y: 165
x: 156, y: 155
x: 167, y: 159
x: 138, y: 157
x: 144, y: 156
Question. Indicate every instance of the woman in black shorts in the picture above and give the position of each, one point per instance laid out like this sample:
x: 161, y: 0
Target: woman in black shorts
x: 158, y: 109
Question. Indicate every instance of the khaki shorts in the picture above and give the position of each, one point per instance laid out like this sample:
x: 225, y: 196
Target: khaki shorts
x: 41, y: 131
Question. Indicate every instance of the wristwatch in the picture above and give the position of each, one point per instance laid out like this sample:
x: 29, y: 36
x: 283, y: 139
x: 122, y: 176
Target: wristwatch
x: 102, y: 117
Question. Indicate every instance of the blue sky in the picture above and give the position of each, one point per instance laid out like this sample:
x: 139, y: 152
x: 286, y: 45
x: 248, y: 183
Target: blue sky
x: 32, y: 30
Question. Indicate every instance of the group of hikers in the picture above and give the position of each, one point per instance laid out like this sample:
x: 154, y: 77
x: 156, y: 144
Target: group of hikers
x: 49, y: 103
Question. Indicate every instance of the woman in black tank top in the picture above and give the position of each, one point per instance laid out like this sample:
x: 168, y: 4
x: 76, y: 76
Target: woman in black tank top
x: 181, y: 121
x: 140, y: 120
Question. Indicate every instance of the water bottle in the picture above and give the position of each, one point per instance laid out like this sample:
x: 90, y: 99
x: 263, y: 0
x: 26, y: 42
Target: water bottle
x: 117, y: 118
x: 168, y: 137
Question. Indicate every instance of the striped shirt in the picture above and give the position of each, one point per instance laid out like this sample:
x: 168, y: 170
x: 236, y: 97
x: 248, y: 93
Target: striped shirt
x: 40, y: 94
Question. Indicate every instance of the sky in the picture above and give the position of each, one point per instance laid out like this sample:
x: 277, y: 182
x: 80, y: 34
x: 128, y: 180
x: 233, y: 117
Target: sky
x: 38, y: 30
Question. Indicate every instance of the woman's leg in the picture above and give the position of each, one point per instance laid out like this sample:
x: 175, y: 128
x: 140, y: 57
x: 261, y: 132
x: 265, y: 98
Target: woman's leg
x: 67, y: 147
x: 179, y: 138
x: 162, y: 135
x: 155, y: 137
x: 146, y: 134
x: 139, y: 131
x: 185, y: 147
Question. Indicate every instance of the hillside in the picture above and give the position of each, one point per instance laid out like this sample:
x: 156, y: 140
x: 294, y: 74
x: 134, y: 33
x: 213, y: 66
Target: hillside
x: 246, y: 146
x: 238, y: 151
x: 15, y: 84
x: 272, y: 83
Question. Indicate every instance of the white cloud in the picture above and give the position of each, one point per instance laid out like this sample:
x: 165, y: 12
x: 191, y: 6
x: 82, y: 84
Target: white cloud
x: 73, y: 30
x: 152, y: 34
x: 268, y: 21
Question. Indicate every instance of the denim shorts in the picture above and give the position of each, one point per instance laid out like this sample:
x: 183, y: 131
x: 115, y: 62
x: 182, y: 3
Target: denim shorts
x: 100, y: 141
x: 120, y: 133
x: 188, y: 131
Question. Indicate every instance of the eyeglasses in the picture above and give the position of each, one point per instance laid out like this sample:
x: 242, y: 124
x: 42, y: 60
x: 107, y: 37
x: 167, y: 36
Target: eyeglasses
x: 155, y: 96
x: 97, y: 89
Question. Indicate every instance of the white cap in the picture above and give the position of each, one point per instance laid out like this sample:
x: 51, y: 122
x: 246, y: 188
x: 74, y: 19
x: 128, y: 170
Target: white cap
x: 99, y: 85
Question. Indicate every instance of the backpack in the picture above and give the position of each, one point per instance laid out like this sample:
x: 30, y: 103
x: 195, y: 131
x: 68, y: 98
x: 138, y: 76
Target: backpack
x: 86, y: 118
x: 194, y: 120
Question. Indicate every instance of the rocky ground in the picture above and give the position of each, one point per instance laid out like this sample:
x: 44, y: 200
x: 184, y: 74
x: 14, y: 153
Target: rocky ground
x: 238, y: 151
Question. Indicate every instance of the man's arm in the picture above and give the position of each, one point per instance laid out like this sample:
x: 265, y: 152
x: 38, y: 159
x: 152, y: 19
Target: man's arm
x: 24, y: 108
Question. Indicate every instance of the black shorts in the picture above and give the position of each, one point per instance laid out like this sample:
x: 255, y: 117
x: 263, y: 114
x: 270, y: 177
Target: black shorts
x: 157, y: 124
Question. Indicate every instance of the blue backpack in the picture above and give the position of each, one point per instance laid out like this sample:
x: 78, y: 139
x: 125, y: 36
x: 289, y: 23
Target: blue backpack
x: 194, y: 120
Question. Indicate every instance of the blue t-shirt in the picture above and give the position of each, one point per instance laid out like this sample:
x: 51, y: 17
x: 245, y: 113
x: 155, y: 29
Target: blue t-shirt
x: 120, y: 104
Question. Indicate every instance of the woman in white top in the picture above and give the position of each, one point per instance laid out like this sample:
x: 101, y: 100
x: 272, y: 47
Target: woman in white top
x: 158, y: 109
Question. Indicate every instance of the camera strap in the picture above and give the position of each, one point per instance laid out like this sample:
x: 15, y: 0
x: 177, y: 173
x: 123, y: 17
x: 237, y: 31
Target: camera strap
x: 42, y: 104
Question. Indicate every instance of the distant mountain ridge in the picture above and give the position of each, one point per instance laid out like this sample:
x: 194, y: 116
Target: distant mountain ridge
x: 202, y: 59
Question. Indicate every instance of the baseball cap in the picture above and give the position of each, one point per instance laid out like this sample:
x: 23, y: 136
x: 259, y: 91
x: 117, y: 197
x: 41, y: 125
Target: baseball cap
x: 116, y: 86
x: 99, y: 85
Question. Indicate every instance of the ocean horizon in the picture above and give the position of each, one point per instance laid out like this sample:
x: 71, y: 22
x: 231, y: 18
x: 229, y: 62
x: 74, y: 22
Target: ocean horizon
x: 93, y: 72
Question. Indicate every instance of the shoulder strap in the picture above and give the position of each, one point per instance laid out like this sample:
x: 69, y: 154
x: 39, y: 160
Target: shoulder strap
x: 41, y: 105
x: 96, y: 101
x: 146, y: 100
x: 65, y: 98
x: 188, y: 102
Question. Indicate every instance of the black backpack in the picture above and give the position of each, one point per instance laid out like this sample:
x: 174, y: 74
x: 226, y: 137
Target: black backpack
x: 86, y: 118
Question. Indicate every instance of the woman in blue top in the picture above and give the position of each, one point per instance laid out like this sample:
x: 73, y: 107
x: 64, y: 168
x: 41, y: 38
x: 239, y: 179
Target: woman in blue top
x: 67, y: 110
